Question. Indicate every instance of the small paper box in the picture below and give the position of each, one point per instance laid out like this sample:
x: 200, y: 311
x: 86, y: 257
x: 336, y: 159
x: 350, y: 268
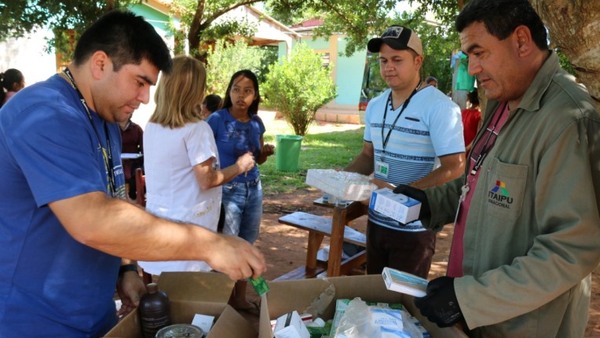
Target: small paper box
x: 396, y: 206
x: 404, y: 282
x: 290, y: 325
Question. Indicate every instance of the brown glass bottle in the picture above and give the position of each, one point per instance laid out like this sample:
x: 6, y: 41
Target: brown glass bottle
x: 154, y: 311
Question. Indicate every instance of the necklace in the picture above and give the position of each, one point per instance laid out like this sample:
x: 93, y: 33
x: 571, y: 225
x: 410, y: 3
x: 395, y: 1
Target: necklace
x: 106, y: 151
x: 389, y: 103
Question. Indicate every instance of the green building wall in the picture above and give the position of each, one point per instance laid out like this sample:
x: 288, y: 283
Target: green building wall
x: 155, y: 18
x: 349, y: 74
x: 348, y: 70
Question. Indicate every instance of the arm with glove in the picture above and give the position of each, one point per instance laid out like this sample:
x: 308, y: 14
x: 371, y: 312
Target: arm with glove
x: 440, y: 305
x: 438, y: 204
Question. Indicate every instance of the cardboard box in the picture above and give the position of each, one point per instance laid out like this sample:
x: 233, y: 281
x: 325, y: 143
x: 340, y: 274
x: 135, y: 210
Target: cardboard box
x: 190, y: 293
x: 208, y: 293
x: 287, y: 296
x: 396, y: 206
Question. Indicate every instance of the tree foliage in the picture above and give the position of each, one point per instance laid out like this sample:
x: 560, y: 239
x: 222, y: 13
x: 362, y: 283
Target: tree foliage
x: 439, y: 40
x: 202, y: 22
x: 226, y: 59
x: 18, y: 18
x: 358, y: 19
x: 298, y: 87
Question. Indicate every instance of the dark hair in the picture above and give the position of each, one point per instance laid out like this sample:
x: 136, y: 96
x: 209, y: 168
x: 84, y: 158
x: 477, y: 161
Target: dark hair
x: 126, y: 38
x: 213, y: 102
x: 8, y: 79
x: 501, y: 17
x: 473, y: 97
x: 253, y: 109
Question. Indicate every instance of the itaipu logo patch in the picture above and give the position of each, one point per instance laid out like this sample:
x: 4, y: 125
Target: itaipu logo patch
x: 500, y: 196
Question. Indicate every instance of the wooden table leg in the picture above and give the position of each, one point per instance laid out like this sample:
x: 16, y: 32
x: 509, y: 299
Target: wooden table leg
x: 336, y: 243
x: 314, y: 243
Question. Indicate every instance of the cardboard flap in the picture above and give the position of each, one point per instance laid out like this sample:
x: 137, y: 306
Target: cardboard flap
x: 264, y: 329
x: 205, y: 287
x: 232, y: 324
x: 294, y: 295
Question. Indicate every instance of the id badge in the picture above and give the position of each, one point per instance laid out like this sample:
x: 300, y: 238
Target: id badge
x: 382, y: 168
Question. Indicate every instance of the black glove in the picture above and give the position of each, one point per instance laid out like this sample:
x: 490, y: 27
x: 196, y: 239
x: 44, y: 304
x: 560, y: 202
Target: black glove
x: 417, y: 194
x: 440, y: 304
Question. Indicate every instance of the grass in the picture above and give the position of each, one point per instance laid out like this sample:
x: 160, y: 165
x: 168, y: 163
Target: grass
x: 326, y: 146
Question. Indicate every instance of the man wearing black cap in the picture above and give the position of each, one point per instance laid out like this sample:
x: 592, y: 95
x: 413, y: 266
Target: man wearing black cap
x: 413, y: 135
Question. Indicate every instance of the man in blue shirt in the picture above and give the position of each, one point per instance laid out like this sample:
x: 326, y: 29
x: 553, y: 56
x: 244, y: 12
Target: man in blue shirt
x: 413, y: 135
x: 65, y: 228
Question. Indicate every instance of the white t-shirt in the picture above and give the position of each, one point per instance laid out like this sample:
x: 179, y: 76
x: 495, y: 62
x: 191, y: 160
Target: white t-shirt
x: 172, y: 190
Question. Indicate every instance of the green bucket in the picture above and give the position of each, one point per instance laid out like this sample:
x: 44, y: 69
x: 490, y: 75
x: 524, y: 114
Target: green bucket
x: 287, y: 152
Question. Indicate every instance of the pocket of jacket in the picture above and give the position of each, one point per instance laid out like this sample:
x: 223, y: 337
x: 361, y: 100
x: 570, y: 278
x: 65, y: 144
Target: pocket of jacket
x: 506, y: 190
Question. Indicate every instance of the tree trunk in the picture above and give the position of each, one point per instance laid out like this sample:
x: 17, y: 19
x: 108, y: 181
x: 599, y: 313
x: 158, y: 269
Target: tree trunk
x: 574, y: 28
x: 195, y: 29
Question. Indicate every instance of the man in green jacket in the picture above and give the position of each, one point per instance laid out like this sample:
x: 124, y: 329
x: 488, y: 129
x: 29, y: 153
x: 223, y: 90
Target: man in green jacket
x: 526, y: 212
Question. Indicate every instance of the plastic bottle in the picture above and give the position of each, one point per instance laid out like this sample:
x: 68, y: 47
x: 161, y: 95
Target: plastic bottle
x: 154, y: 311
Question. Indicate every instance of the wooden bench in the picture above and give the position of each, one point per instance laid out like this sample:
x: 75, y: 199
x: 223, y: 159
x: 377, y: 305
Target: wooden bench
x: 334, y: 227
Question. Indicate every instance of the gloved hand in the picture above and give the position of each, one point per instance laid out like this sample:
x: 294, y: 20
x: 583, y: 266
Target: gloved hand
x: 417, y: 194
x: 440, y: 304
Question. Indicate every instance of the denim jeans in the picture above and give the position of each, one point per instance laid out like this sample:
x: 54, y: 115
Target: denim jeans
x: 243, y: 209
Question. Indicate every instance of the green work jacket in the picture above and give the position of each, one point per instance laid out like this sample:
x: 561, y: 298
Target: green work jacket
x: 529, y: 250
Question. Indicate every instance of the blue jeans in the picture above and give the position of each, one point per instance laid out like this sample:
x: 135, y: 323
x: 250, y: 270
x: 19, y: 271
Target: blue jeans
x: 243, y: 209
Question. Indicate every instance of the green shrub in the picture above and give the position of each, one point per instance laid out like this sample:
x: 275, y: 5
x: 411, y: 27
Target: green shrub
x: 226, y: 59
x: 298, y: 87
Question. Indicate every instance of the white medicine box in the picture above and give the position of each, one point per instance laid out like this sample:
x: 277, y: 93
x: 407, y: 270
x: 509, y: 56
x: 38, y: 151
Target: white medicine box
x: 396, y: 206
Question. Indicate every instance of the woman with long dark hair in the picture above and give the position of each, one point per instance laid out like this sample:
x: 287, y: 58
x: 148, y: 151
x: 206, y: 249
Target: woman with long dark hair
x: 238, y: 130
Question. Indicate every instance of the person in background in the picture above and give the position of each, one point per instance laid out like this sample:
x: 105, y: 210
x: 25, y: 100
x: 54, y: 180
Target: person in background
x: 132, y: 142
x: 238, y: 130
x: 462, y: 82
x: 68, y: 234
x: 527, y: 234
x: 11, y: 81
x: 211, y: 104
x: 183, y: 175
x: 408, y: 128
x: 471, y: 118
x: 431, y: 81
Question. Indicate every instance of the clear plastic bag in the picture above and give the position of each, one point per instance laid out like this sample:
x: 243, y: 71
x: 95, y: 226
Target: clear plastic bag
x: 356, y: 322
x: 375, y: 321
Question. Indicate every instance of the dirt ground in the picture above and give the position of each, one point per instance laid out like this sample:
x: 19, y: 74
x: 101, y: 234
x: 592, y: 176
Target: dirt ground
x: 285, y: 247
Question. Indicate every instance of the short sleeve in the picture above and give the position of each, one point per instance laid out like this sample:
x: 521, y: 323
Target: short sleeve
x: 200, y: 143
x: 58, y: 156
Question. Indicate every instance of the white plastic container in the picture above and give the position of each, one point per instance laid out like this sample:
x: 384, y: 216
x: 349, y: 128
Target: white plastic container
x: 343, y: 185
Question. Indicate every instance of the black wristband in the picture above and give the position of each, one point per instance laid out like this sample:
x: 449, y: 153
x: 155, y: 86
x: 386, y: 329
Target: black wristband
x: 127, y: 267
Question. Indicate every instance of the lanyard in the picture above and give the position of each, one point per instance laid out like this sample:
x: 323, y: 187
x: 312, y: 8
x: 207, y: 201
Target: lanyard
x: 387, y: 104
x: 106, y: 152
x: 489, y: 141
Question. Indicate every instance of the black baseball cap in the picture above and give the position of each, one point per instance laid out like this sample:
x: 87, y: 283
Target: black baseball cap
x: 398, y: 38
